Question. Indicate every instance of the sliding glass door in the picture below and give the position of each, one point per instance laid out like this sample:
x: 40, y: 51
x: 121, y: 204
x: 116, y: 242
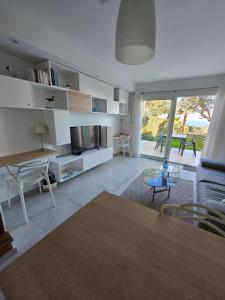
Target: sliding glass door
x: 157, y: 127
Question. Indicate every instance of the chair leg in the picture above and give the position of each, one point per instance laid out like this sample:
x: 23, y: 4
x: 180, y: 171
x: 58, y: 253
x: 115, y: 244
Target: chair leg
x: 194, y: 148
x: 156, y: 145
x: 8, y: 192
x: 23, y: 204
x: 50, y: 190
x: 3, y: 218
x: 181, y: 143
x: 182, y: 149
x: 129, y: 149
x: 39, y: 185
x: 124, y: 153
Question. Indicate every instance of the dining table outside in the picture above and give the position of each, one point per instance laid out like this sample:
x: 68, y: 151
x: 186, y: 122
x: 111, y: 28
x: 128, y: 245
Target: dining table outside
x: 176, y: 136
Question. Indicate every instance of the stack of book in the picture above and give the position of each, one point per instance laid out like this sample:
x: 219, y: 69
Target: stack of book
x: 38, y: 76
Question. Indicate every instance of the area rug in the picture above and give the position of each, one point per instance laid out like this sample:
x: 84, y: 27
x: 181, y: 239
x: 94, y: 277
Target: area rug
x: 141, y: 193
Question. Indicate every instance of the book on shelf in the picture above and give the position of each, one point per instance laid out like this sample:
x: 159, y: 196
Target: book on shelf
x: 55, y: 77
x: 38, y: 76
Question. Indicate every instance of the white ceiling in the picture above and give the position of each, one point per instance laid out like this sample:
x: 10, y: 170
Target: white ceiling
x: 190, y: 36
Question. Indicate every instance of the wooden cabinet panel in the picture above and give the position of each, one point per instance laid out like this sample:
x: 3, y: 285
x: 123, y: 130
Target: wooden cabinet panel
x: 79, y: 102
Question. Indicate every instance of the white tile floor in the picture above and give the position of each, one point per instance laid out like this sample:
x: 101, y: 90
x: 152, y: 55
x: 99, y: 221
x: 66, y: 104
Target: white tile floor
x: 113, y: 176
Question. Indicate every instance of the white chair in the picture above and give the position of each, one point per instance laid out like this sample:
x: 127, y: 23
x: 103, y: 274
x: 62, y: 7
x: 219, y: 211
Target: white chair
x: 196, y: 213
x: 28, y: 175
x: 123, y: 143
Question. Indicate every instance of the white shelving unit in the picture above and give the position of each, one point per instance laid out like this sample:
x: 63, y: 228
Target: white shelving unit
x: 20, y: 93
x: 69, y: 166
x: 91, y: 86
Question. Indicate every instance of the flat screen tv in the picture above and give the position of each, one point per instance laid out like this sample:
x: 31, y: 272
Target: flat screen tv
x: 84, y: 138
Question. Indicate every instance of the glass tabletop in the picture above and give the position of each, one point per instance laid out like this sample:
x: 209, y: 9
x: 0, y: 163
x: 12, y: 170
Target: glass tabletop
x: 157, y: 178
x: 170, y: 169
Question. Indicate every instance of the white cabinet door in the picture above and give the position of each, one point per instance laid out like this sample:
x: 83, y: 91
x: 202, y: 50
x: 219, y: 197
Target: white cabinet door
x: 92, y: 159
x: 123, y: 109
x: 113, y: 107
x: 108, y: 94
x: 89, y: 85
x: 107, y: 91
x: 58, y: 127
x: 15, y: 92
x: 62, y: 127
x: 124, y: 96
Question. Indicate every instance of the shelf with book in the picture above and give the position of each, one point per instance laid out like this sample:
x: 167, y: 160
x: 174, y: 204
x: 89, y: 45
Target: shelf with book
x: 38, y: 76
x: 63, y: 76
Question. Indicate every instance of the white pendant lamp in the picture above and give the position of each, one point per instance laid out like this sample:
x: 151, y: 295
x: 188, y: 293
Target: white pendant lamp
x: 135, y: 32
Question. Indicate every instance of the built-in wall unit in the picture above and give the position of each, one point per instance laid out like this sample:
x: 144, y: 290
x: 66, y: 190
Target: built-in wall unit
x: 46, y: 92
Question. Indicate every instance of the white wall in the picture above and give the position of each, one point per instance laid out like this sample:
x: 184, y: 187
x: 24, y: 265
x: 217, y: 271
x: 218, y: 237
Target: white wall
x: 16, y: 135
x: 16, y: 130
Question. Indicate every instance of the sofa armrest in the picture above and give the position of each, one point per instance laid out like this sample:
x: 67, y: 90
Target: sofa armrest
x: 213, y: 164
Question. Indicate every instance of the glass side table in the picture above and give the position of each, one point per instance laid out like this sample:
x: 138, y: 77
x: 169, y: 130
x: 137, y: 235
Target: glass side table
x: 162, y: 179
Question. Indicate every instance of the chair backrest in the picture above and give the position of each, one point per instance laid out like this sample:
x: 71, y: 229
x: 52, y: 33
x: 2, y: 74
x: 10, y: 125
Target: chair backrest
x: 40, y: 166
x: 197, y: 212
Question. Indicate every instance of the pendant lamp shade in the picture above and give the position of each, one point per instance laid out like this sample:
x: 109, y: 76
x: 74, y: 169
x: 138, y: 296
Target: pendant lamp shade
x: 135, y: 32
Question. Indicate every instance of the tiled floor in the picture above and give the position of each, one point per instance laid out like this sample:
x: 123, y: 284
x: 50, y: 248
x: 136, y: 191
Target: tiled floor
x: 114, y: 176
x: 188, y: 158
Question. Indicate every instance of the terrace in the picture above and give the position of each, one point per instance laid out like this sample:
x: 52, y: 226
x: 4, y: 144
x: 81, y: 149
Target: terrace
x: 188, y: 123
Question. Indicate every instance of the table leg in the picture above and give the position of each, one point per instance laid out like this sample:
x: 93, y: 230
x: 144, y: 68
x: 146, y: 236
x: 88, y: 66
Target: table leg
x: 169, y: 191
x: 161, y: 147
x: 153, y: 193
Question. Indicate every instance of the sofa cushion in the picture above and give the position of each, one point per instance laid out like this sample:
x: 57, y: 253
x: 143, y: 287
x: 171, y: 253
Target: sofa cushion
x: 213, y: 164
x: 210, y: 175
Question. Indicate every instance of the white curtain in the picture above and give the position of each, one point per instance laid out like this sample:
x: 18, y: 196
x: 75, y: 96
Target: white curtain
x: 136, y: 119
x: 215, y: 142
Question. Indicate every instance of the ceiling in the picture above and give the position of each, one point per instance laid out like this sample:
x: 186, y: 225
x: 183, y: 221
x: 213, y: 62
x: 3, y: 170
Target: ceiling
x: 190, y: 39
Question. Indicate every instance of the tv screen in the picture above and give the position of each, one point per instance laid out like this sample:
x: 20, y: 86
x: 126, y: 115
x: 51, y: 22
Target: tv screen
x: 84, y: 138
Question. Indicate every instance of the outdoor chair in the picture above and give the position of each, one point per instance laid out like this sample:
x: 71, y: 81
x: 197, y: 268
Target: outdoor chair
x: 186, y: 144
x: 159, y: 142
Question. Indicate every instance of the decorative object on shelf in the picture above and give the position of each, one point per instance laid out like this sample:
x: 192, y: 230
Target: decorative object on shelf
x: 135, y: 32
x: 41, y: 129
x: 10, y: 69
x: 50, y: 100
